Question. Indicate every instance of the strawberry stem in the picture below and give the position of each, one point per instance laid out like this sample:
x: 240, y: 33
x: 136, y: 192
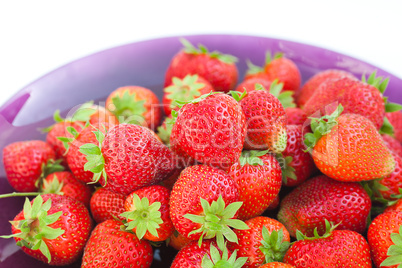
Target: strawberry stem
x: 15, y: 194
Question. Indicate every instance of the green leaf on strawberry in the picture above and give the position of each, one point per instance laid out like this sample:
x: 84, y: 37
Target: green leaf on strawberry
x: 252, y: 68
x: 252, y: 157
x: 128, y: 109
x: 329, y: 227
x: 53, y: 187
x: 34, y: 227
x: 180, y: 103
x: 237, y: 95
x: 216, y: 220
x: 387, y: 128
x: 287, y: 170
x: 165, y: 130
x: 183, y: 89
x: 269, y: 58
x: 285, y: 98
x: 223, y: 261
x: 394, y: 251
x: 273, y: 246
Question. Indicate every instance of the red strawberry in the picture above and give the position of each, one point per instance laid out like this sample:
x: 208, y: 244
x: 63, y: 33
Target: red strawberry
x: 52, y: 228
x: 258, y: 178
x: 267, y: 240
x: 266, y: 121
x: 277, y: 265
x: 65, y: 183
x: 299, y: 165
x: 26, y: 162
x: 147, y: 213
x: 295, y: 116
x: 392, y: 144
x: 335, y: 248
x: 321, y: 198
x: 218, y: 69
x: 183, y: 90
x: 394, y: 206
x: 198, y: 197
x: 165, y: 130
x: 356, y: 97
x: 110, y: 246
x: 210, y: 129
x: 390, y: 185
x: 127, y: 158
x: 107, y: 205
x: 178, y: 241
x: 384, y: 238
x: 135, y: 105
x: 249, y: 84
x: 349, y: 148
x: 395, y: 118
x: 308, y: 89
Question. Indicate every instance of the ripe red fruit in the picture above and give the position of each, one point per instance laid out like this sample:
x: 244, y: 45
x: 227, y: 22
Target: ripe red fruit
x: 107, y: 205
x: 283, y: 69
x: 110, y: 246
x: 258, y: 178
x: 392, y: 182
x: 277, y: 265
x: 178, y: 241
x: 54, y: 229
x: 295, y: 116
x: 25, y: 162
x: 249, y: 84
x: 183, y: 90
x: 321, y: 198
x: 135, y: 105
x: 266, y: 240
x: 392, y: 144
x: 218, y: 69
x: 308, y: 89
x: 395, y: 118
x: 210, y: 129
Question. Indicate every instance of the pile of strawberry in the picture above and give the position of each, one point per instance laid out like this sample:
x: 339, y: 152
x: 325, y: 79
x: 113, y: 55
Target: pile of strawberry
x: 266, y: 174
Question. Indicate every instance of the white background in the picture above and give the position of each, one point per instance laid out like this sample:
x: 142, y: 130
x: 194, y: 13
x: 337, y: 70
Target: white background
x: 39, y: 36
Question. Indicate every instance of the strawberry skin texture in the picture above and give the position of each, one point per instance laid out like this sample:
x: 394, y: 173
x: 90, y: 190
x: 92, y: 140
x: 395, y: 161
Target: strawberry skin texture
x: 353, y: 151
x: 286, y: 71
x: 72, y: 187
x: 392, y: 144
x: 190, y: 256
x: 155, y: 193
x: 106, y: 205
x: 258, y: 186
x: 320, y: 198
x: 266, y: 121
x: 395, y: 207
x: 211, y: 131
x: 222, y: 76
x: 77, y: 224
x: 197, y: 182
x: 109, y: 246
x: 308, y: 89
x: 178, y: 241
x: 249, y: 84
x: 134, y: 158
x: 250, y: 239
x: 341, y: 249
x: 302, y: 161
x: 277, y: 265
x: 379, y: 235
x: 295, y: 116
x: 392, y: 181
x: 23, y: 163
x: 395, y: 118
x: 355, y: 96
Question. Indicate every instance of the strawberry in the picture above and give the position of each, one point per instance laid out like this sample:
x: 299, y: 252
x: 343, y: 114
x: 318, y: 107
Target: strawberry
x: 384, y: 238
x: 295, y: 116
x: 392, y: 144
x: 394, y: 206
x: 64, y: 182
x: 110, y: 246
x: 348, y: 147
x: 277, y: 265
x: 127, y: 158
x: 321, y: 198
x: 389, y: 186
x: 267, y: 240
x: 210, y: 129
x: 165, y: 130
x: 204, y: 203
x: 27, y: 162
x: 335, y: 248
x: 249, y: 84
x: 218, y: 69
x: 135, y: 105
x: 178, y: 241
x: 147, y: 213
x: 258, y: 178
x: 308, y: 89
x: 106, y: 205
x: 265, y: 117
x: 52, y: 228
x: 186, y: 89
x: 298, y: 165
x: 395, y: 119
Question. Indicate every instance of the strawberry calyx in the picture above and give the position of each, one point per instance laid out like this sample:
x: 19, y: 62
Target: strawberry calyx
x: 222, y: 261
x: 127, y: 109
x: 329, y: 227
x: 202, y: 50
x: 252, y: 157
x: 237, y: 95
x: 66, y: 140
x: 321, y: 126
x: 183, y: 89
x: 143, y: 217
x: 285, y: 98
x: 180, y: 103
x: 387, y: 128
x: 253, y: 69
x: 272, y: 245
x: 48, y: 168
x: 288, y: 172
x: 269, y: 58
x: 34, y: 228
x: 216, y: 220
x: 394, y: 251
x: 165, y: 130
x: 55, y: 186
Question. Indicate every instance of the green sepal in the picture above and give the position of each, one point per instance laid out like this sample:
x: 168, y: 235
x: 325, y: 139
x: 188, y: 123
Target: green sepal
x: 50, y: 167
x: 67, y: 141
x: 180, y: 104
x: 145, y: 217
x: 190, y: 49
x: 238, y: 96
x: 53, y: 187
x: 252, y: 68
x: 216, y: 221
x: 165, y: 130
x: 35, y: 226
x: 329, y: 227
x: 269, y: 59
x: 287, y: 170
x: 272, y: 245
x: 285, y: 98
x: 378, y: 82
x: 321, y: 126
x: 252, y: 158
x: 83, y: 113
x: 394, y: 252
x: 127, y: 109
x: 387, y: 128
x: 392, y: 107
x: 222, y: 261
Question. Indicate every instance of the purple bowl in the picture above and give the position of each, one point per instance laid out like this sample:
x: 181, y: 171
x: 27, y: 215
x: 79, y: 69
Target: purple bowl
x: 142, y: 63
